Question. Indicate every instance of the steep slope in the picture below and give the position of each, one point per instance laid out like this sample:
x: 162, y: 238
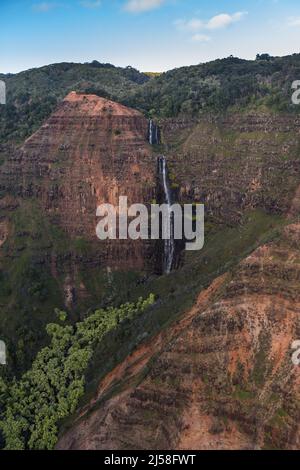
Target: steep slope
x: 33, y: 94
x: 222, y: 378
x: 235, y: 162
x: 220, y: 85
x: 186, y: 91
x: 90, y: 151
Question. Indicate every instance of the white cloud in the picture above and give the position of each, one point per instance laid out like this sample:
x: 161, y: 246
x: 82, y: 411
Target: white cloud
x: 294, y: 21
x: 200, y: 37
x: 136, y: 6
x: 216, y: 22
x: 44, y: 7
x: 91, y: 4
x: 224, y: 19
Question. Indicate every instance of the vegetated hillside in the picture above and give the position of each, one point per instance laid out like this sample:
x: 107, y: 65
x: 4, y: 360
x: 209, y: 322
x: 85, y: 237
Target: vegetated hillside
x: 214, y: 86
x: 32, y: 95
x: 235, y: 162
x: 221, y: 84
x: 89, y: 152
x: 32, y: 407
x: 220, y: 378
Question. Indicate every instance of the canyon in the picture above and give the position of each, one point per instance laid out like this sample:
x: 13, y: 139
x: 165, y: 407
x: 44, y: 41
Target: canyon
x: 89, y: 152
x: 222, y: 377
x: 209, y: 366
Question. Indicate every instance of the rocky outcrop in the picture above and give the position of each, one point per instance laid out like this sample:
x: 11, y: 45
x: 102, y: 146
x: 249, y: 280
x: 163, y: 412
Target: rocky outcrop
x: 90, y: 151
x: 221, y: 378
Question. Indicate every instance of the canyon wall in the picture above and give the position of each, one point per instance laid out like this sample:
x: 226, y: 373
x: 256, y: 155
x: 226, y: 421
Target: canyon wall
x: 90, y: 151
x: 220, y: 378
x: 236, y: 162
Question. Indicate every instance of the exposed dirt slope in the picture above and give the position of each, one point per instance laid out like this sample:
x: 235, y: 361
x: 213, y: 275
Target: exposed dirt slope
x: 222, y: 378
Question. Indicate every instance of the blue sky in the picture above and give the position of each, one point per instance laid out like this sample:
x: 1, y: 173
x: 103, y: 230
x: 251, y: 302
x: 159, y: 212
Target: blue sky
x: 151, y: 35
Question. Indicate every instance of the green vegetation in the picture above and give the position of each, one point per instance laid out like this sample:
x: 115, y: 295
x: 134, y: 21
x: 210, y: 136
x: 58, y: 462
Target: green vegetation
x: 243, y: 395
x: 211, y: 87
x: 32, y: 95
x: 176, y: 293
x: 261, y: 359
x: 50, y: 391
x: 219, y: 85
x: 37, y: 257
x: 36, y: 261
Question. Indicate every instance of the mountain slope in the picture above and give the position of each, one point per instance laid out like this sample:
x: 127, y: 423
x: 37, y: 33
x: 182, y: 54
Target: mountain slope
x: 32, y: 95
x: 222, y: 378
x: 213, y: 372
x: 211, y: 87
x: 90, y: 151
x: 216, y: 86
x: 235, y: 162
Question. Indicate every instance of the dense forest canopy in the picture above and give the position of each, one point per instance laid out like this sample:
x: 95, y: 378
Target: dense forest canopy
x: 214, y: 86
x: 31, y: 408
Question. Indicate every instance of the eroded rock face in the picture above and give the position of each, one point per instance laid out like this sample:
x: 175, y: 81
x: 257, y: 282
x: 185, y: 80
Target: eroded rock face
x: 90, y: 151
x: 221, y: 378
x: 236, y: 162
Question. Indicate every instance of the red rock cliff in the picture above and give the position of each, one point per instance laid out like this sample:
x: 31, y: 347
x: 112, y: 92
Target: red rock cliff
x: 221, y: 378
x: 90, y: 151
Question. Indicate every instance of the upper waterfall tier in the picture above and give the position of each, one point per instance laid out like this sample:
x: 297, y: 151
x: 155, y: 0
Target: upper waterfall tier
x: 153, y: 133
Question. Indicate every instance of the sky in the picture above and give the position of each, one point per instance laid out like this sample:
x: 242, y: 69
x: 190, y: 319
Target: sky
x: 150, y: 35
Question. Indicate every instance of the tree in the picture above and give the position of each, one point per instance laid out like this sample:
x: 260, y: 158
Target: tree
x: 52, y: 388
x: 267, y: 57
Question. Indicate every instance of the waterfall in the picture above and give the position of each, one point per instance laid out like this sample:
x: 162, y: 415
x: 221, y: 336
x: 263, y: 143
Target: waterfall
x: 169, y: 244
x: 153, y: 133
